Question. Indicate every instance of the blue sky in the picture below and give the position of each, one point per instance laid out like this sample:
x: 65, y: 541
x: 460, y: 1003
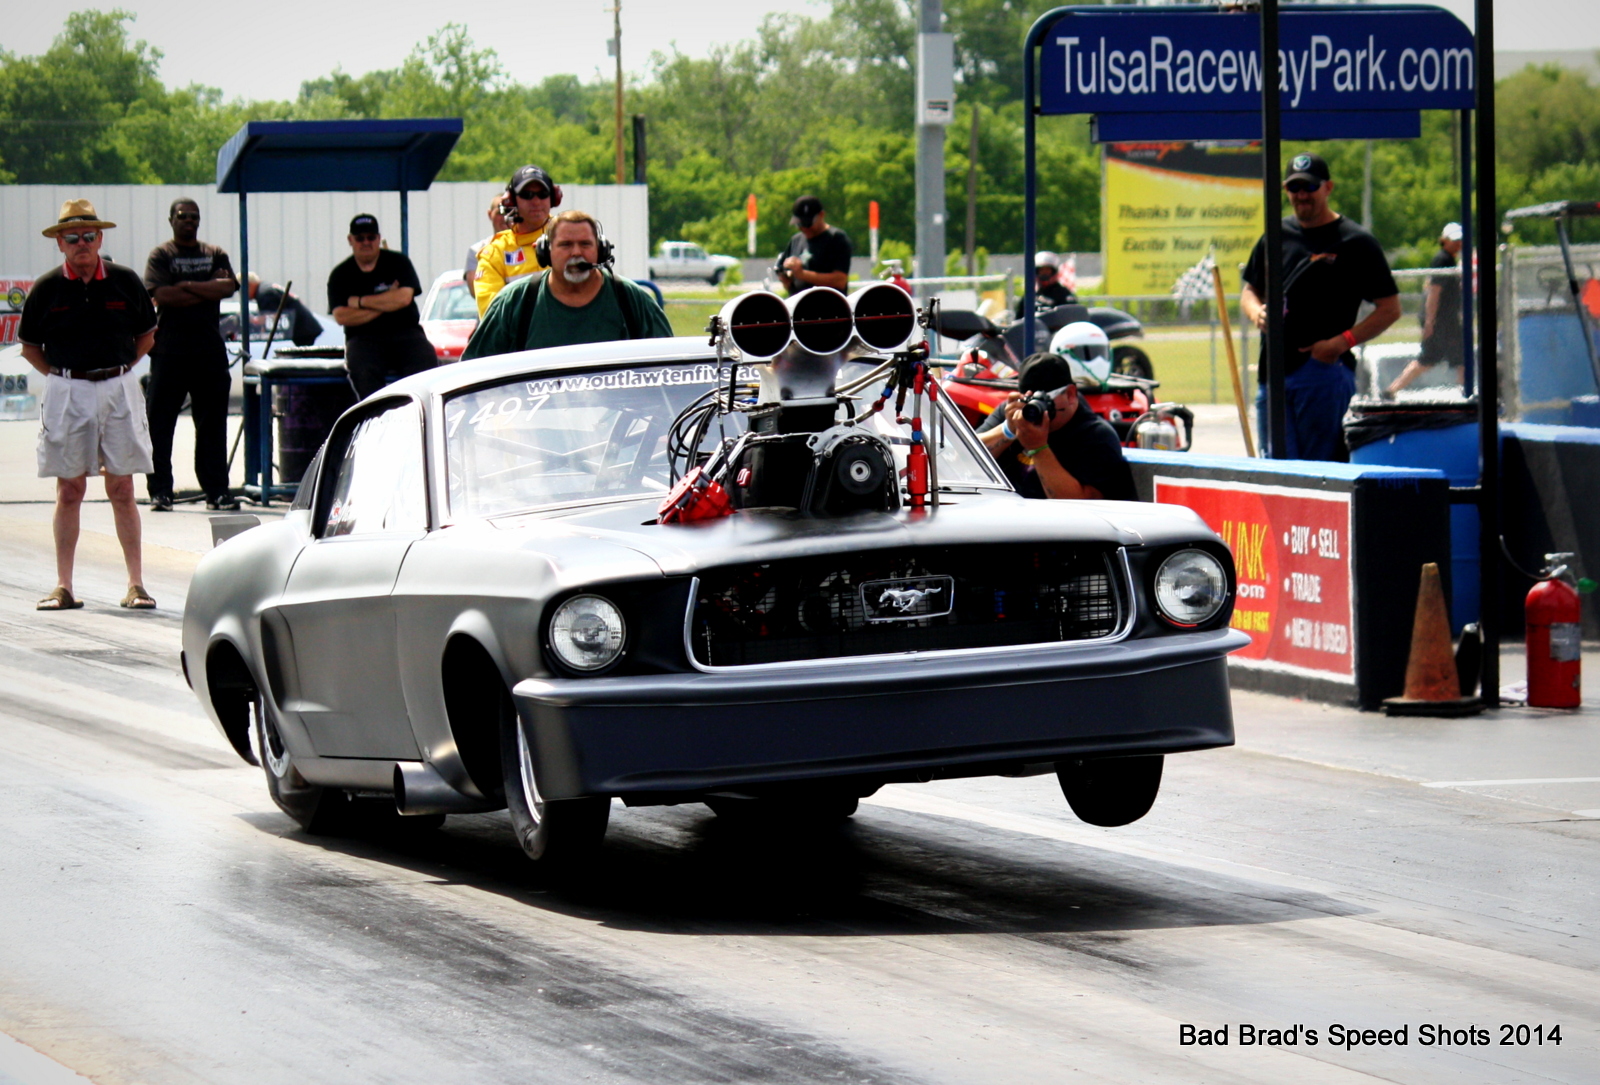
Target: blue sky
x: 266, y: 50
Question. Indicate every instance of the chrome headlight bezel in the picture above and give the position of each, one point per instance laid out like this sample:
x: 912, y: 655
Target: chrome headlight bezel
x: 1203, y: 571
x: 586, y: 634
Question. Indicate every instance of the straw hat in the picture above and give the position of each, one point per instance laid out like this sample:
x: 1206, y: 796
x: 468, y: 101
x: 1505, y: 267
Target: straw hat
x: 77, y: 215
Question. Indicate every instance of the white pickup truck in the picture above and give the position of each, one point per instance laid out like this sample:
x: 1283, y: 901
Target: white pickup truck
x: 687, y: 260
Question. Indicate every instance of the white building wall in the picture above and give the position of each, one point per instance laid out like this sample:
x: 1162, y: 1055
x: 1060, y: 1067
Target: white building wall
x: 300, y: 236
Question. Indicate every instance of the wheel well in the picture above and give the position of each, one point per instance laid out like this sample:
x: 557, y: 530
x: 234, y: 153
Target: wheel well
x: 231, y: 688
x: 475, y: 701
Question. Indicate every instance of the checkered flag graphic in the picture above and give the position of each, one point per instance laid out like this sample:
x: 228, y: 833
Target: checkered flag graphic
x: 1195, y: 284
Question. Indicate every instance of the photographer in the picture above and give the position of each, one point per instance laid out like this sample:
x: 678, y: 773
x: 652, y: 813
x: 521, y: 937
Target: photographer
x: 1050, y: 444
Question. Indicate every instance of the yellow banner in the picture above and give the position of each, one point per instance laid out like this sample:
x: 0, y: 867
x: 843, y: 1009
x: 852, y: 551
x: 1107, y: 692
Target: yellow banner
x: 1168, y: 204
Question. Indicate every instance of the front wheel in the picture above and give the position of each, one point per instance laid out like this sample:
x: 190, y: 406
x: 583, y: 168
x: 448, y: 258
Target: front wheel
x: 716, y: 276
x: 1132, y: 362
x: 550, y: 831
x: 1111, y: 791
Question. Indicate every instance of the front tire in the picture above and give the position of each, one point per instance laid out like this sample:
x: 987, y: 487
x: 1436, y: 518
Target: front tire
x: 716, y: 276
x: 549, y: 831
x: 1111, y: 791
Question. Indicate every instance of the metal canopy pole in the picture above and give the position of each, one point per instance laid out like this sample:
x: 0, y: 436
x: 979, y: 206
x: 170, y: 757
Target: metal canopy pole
x: 1274, y: 440
x: 1030, y: 182
x: 405, y: 221
x: 1489, y: 368
x: 1468, y: 351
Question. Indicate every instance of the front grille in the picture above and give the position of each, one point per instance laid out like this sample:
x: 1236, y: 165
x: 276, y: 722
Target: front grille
x: 814, y: 608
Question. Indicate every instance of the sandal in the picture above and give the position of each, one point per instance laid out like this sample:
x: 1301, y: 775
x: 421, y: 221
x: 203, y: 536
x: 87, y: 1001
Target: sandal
x: 60, y: 599
x: 138, y: 599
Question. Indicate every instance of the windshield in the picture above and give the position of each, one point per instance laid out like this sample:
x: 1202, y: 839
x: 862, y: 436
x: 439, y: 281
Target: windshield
x: 453, y: 302
x: 603, y: 434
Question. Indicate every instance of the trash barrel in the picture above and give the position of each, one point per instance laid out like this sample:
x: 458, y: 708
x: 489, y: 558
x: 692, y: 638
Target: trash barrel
x: 305, y: 404
x: 1441, y: 436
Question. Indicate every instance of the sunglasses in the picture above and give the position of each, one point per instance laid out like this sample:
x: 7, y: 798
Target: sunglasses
x: 88, y: 237
x: 531, y: 193
x: 1302, y: 186
x: 186, y: 216
x: 363, y: 238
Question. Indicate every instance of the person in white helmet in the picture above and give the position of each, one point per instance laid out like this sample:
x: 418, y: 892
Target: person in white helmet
x: 1048, y: 289
x: 1064, y: 450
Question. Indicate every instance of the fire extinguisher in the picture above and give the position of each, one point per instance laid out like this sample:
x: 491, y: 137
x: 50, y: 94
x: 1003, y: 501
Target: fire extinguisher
x: 1551, y: 618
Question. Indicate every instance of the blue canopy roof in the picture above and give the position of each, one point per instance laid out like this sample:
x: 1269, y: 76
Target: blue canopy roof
x: 336, y: 156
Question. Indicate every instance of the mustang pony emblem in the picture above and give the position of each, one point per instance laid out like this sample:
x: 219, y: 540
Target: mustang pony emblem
x: 903, y: 599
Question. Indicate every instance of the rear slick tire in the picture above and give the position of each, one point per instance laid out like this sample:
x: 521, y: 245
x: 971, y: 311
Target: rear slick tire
x: 1111, y: 791
x: 550, y: 832
x: 318, y: 810
x: 1132, y: 362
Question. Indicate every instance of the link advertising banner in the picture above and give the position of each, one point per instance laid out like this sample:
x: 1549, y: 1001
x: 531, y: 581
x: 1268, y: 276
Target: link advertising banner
x: 1291, y: 549
x: 1168, y: 204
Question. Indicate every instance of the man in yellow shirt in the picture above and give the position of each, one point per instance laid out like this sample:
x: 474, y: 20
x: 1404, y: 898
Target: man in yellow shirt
x: 509, y: 255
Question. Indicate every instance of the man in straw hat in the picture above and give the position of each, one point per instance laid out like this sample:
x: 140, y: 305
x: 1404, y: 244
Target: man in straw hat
x: 84, y: 326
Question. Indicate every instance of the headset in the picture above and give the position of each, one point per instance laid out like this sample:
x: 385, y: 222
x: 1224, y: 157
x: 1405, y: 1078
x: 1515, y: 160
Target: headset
x: 607, y: 252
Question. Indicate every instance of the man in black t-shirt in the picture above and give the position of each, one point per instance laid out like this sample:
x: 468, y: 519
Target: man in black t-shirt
x: 1072, y: 453
x: 1330, y: 266
x: 819, y: 255
x: 1442, y: 333
x: 188, y: 280
x: 373, y: 295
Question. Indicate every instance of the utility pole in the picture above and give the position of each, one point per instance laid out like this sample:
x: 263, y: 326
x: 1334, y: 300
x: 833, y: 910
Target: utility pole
x: 935, y: 109
x: 616, y: 49
x: 972, y: 195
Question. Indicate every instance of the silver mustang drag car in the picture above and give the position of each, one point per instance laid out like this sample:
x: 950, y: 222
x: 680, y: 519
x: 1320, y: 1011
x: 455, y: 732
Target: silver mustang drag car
x: 770, y: 573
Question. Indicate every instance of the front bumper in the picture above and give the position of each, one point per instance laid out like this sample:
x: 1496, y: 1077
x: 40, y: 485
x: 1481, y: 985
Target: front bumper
x: 683, y: 733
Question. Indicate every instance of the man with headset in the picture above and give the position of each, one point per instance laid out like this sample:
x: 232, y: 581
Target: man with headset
x: 575, y: 301
x: 512, y: 253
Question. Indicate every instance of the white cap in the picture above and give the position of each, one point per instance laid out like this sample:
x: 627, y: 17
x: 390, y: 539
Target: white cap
x: 1046, y: 259
x: 1451, y: 232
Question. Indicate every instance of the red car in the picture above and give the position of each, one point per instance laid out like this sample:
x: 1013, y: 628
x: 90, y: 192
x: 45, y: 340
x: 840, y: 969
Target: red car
x: 449, y: 314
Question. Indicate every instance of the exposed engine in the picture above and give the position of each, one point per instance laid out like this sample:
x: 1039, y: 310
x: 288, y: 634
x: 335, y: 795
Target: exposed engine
x: 806, y: 446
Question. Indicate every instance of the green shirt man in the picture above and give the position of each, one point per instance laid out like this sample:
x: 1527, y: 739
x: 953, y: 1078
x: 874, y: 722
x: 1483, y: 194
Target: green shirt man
x: 573, y: 302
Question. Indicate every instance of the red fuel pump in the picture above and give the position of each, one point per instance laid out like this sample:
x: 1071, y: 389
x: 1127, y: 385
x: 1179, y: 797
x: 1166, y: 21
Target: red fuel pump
x: 1552, y: 619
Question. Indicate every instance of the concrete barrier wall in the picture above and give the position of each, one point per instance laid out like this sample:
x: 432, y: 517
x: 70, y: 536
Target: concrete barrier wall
x: 1329, y: 556
x: 300, y: 236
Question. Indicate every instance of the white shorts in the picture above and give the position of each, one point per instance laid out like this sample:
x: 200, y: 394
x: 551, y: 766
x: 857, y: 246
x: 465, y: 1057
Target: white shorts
x: 87, y: 425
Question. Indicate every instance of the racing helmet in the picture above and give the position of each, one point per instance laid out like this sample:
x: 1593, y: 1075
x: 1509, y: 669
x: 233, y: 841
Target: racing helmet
x: 1087, y: 351
x: 974, y: 363
x: 1042, y: 258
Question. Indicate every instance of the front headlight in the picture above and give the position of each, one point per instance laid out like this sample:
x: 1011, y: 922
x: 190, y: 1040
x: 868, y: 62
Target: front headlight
x: 1191, y: 586
x: 587, y: 632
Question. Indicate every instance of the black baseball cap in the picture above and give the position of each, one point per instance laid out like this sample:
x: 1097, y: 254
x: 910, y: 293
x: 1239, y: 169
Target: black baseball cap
x: 1044, y: 372
x: 806, y: 209
x: 1310, y: 167
x: 526, y: 174
x: 364, y: 224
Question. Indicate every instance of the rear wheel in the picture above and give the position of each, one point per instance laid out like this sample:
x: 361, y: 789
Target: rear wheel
x: 549, y: 831
x: 322, y: 811
x: 1111, y: 791
x: 319, y: 810
x: 1132, y: 362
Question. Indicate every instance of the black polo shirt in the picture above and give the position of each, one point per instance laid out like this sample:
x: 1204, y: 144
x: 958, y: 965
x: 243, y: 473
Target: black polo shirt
x: 348, y: 281
x: 84, y: 324
x: 1086, y: 446
x: 186, y: 327
x: 829, y: 251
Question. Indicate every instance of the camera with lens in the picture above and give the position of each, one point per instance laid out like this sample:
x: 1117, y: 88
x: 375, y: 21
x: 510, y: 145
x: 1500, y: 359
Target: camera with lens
x: 1038, y: 406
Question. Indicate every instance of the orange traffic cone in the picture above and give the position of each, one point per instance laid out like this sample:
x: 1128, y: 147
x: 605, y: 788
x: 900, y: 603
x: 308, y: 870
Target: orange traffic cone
x: 1432, y: 688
